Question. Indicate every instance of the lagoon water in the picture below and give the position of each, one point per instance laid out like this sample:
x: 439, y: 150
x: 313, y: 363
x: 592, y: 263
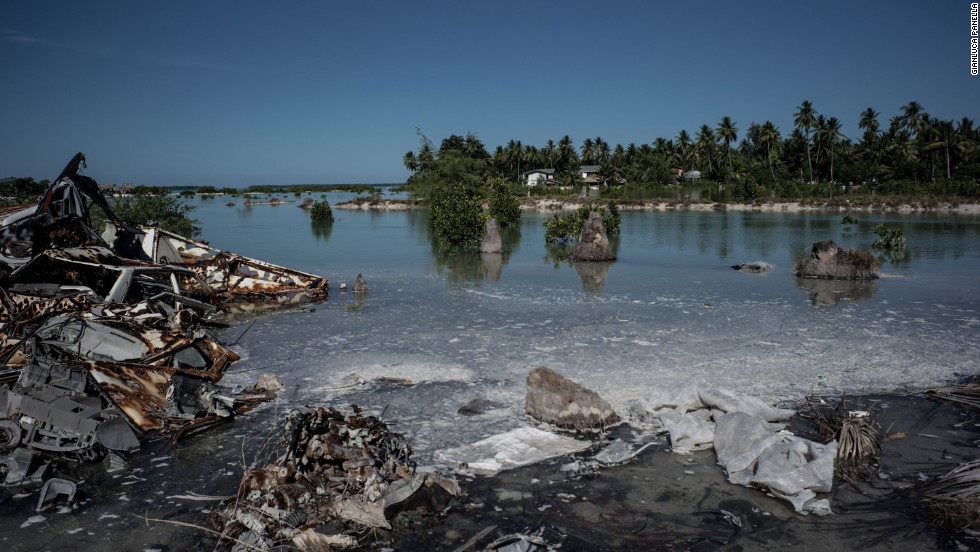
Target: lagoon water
x: 670, y: 310
x: 438, y: 329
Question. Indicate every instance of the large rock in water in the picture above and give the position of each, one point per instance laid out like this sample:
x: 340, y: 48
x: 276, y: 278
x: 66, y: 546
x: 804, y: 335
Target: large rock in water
x: 826, y: 260
x: 593, y: 244
x: 557, y: 400
x: 491, y: 238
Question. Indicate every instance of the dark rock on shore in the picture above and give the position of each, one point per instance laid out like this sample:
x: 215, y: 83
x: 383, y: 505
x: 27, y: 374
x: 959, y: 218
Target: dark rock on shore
x: 827, y: 260
x: 593, y: 244
x: 557, y: 400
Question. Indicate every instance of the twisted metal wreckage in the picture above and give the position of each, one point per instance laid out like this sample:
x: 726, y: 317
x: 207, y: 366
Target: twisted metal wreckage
x: 105, y: 339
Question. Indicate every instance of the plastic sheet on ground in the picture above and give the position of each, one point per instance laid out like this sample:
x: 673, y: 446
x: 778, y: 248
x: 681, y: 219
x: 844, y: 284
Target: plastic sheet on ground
x: 515, y: 448
x: 790, y: 467
x: 753, y: 449
x: 687, y: 412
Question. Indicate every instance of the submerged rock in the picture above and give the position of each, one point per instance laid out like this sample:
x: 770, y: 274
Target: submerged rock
x: 360, y: 285
x: 557, y: 400
x: 756, y: 267
x: 826, y: 260
x: 492, y: 243
x: 593, y: 244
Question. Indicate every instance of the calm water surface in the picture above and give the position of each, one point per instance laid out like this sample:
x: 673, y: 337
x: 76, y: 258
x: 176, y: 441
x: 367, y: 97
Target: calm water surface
x: 460, y: 327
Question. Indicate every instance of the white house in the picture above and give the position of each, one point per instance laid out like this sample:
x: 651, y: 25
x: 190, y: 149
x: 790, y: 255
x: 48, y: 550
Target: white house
x: 544, y: 176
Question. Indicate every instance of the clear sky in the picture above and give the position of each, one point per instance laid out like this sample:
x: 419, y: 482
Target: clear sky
x: 234, y: 93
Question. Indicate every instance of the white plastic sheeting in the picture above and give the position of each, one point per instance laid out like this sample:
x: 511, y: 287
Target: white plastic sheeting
x: 515, y: 448
x: 752, y: 448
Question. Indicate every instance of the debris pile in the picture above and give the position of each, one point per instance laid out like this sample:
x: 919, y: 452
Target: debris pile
x: 955, y: 497
x: 350, y: 472
x: 103, y: 344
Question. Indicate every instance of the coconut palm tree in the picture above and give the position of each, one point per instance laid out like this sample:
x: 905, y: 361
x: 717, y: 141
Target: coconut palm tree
x: 705, y: 144
x: 828, y: 135
x: 805, y: 118
x: 913, y: 116
x: 727, y: 133
x: 684, y: 151
x: 769, y: 137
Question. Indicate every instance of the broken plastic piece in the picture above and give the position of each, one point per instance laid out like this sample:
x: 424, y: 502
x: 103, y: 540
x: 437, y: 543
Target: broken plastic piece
x: 53, y: 489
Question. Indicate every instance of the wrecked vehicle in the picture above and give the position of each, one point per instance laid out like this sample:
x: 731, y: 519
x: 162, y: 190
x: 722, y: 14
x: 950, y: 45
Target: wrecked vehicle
x: 61, y: 219
x: 236, y: 277
x: 101, y: 346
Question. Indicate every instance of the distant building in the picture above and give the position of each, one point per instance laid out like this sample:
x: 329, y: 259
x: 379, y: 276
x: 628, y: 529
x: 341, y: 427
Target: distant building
x: 692, y: 175
x: 590, y: 173
x: 543, y: 176
x: 546, y: 177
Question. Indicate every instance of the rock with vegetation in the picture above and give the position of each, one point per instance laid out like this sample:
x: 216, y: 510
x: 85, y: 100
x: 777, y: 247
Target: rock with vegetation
x: 555, y: 399
x: 491, y: 238
x: 593, y: 244
x: 827, y: 260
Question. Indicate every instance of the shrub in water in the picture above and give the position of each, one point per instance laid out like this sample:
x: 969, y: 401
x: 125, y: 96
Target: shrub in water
x: 889, y: 238
x: 321, y: 212
x: 563, y: 228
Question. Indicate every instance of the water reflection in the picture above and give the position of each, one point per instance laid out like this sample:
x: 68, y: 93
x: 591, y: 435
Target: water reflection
x: 321, y: 229
x: 468, y: 264
x: 593, y: 276
x: 824, y: 292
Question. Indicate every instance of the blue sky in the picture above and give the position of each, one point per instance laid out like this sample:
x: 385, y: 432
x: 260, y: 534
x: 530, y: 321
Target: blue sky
x: 239, y: 93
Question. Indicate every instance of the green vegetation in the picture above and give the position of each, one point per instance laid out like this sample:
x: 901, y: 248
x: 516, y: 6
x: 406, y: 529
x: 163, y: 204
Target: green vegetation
x: 456, y: 215
x: 17, y: 191
x: 321, y: 212
x: 889, y: 238
x: 847, y: 221
x: 564, y: 228
x: 502, y: 203
x: 166, y: 211
x: 911, y: 155
x: 313, y: 188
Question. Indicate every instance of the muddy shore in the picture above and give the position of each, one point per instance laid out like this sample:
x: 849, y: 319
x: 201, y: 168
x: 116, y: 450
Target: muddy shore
x: 660, y: 501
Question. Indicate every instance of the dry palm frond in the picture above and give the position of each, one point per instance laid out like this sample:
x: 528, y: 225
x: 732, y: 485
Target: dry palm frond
x: 955, y: 497
x: 857, y: 446
x: 967, y: 393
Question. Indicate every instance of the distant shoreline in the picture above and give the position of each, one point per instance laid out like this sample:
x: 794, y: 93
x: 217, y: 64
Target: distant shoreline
x: 561, y: 204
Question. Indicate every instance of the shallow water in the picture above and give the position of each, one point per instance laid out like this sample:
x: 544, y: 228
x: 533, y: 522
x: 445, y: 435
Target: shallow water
x: 438, y: 329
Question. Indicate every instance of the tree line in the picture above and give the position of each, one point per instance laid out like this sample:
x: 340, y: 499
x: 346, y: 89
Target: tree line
x: 910, y: 153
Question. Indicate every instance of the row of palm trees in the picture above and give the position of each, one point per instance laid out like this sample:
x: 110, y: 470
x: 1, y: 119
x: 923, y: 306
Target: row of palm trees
x: 914, y: 146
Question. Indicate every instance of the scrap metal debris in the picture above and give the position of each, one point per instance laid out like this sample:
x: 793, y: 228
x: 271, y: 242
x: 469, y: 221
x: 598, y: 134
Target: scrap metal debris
x: 105, y: 341
x: 348, y: 470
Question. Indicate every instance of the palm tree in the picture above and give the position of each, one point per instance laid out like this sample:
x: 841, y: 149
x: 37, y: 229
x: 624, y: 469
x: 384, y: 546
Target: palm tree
x: 869, y: 121
x: 727, y: 133
x: 833, y: 137
x: 769, y: 137
x: 941, y: 136
x: 602, y: 150
x: 684, y: 151
x: 705, y: 144
x: 805, y: 118
x: 549, y: 154
x: 913, y: 117
x: 588, y: 152
x: 565, y: 155
x: 410, y: 162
